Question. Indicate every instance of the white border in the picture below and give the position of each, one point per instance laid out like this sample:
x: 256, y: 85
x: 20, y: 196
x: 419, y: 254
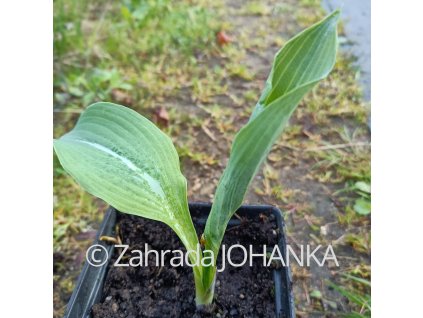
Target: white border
x: 397, y: 158
x: 26, y: 55
x: 26, y: 157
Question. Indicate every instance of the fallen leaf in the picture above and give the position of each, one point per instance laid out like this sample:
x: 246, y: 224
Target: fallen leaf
x: 161, y: 117
x: 120, y: 96
x: 222, y: 38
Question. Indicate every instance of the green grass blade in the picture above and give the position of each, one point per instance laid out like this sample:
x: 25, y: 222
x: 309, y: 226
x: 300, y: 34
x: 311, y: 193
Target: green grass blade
x: 363, y: 281
x: 301, y: 63
x: 354, y: 315
x: 362, y: 301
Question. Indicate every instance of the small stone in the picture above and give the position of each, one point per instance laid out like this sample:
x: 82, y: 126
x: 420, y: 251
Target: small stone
x: 242, y: 296
x: 108, y: 298
x: 218, y: 283
x: 125, y: 294
x: 324, y: 230
x: 233, y: 312
x: 218, y: 315
x: 115, y: 307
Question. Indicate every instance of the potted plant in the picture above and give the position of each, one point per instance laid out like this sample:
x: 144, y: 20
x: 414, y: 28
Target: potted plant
x: 121, y: 157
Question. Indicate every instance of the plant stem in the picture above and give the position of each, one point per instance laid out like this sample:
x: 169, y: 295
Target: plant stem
x: 204, y: 292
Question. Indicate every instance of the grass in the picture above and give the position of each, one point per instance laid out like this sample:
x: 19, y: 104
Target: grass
x: 102, y: 49
x: 163, y: 55
x: 358, y: 295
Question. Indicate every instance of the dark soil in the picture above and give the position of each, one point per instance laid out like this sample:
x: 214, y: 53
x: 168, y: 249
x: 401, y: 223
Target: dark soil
x: 150, y: 291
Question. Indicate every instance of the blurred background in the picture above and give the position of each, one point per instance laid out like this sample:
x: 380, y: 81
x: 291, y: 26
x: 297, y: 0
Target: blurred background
x: 196, y: 68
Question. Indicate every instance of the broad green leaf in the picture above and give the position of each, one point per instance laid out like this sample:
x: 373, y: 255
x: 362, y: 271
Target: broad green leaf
x: 298, y: 67
x: 121, y: 157
x: 362, y: 186
x: 362, y: 206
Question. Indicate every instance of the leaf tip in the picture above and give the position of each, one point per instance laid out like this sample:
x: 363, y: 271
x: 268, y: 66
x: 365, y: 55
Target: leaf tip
x: 334, y: 16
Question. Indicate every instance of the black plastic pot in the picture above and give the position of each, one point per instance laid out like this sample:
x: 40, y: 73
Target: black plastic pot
x: 89, y: 286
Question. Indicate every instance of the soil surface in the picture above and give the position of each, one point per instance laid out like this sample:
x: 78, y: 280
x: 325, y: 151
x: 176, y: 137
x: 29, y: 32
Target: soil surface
x: 151, y: 291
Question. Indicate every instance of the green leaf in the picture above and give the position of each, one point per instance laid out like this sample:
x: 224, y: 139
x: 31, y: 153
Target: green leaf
x: 362, y: 206
x: 306, y: 58
x: 362, y: 186
x: 116, y: 154
x: 298, y: 67
x: 317, y: 294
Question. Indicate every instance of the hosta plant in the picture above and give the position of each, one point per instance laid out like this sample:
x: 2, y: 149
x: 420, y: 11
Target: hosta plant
x: 121, y: 157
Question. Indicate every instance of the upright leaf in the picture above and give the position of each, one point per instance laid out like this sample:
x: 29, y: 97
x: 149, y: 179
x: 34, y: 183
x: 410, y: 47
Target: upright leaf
x: 298, y: 66
x: 121, y: 157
